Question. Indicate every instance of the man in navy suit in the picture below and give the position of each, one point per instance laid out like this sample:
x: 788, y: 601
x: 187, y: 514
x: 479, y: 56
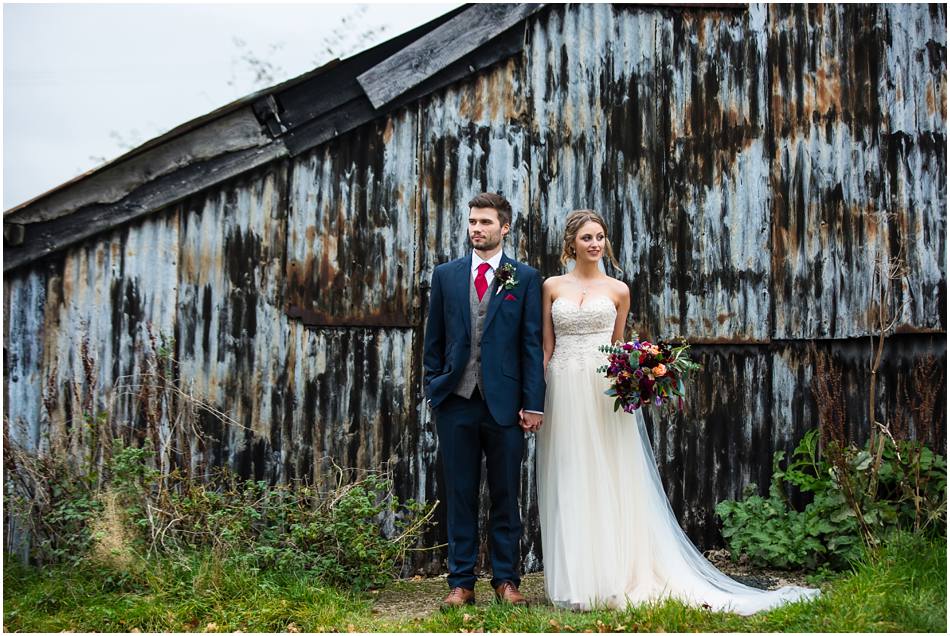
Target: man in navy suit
x: 485, y: 383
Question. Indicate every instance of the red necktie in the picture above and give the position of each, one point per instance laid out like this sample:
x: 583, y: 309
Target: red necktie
x: 481, y: 283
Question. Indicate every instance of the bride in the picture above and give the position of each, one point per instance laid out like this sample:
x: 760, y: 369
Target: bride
x: 608, y: 533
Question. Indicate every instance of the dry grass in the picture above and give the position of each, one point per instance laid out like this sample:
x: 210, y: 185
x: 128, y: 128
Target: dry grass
x: 112, y: 543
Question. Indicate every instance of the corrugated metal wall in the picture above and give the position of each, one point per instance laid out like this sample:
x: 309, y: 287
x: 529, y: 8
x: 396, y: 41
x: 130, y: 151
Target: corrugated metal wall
x: 752, y: 165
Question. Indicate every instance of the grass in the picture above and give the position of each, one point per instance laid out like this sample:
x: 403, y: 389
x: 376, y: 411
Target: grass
x: 901, y: 587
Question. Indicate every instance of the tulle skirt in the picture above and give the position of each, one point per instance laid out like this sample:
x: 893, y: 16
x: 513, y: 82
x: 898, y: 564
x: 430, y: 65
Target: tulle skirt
x: 609, y: 536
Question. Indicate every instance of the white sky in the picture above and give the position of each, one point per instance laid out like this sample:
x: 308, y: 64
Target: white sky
x: 82, y: 82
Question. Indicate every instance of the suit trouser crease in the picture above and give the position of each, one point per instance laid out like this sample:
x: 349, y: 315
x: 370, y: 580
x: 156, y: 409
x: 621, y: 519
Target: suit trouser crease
x: 466, y: 429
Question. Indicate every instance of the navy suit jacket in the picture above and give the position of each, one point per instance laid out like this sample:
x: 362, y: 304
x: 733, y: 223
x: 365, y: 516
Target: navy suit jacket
x: 512, y: 356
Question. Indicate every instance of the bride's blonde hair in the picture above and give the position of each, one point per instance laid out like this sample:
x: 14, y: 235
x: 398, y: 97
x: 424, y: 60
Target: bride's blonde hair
x: 575, y: 221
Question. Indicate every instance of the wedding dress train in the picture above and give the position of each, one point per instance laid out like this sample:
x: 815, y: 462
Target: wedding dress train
x: 609, y: 536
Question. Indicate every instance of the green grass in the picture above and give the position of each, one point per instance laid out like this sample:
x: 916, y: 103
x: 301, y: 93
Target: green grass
x: 902, y: 587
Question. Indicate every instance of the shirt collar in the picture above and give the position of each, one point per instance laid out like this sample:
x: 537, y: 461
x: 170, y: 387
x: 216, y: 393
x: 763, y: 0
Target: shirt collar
x: 494, y: 261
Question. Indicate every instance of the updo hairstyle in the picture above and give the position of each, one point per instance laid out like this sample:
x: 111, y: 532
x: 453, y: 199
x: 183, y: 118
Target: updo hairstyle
x: 575, y: 221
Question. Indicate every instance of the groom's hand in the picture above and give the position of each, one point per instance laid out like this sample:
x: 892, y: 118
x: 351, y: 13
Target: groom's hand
x: 521, y: 421
x: 531, y: 422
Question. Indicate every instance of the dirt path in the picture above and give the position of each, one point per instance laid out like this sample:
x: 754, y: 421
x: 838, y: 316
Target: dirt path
x: 417, y: 598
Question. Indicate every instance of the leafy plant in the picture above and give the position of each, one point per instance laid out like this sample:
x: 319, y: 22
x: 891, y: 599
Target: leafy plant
x: 911, y: 494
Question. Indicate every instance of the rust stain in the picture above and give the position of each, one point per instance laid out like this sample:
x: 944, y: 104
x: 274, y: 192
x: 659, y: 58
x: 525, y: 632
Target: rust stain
x: 869, y: 215
x: 470, y: 102
x: 930, y: 96
x: 732, y: 118
x: 69, y: 274
x: 701, y: 340
x: 943, y: 98
x: 207, y: 258
x: 388, y: 131
x: 828, y: 88
x: 515, y: 97
x: 911, y: 329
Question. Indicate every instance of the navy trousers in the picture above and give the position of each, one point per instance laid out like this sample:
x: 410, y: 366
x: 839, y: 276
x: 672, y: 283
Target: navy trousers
x: 467, y: 430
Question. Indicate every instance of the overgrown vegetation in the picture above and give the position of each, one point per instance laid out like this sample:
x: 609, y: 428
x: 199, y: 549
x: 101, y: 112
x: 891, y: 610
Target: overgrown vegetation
x: 910, y: 493
x: 103, y: 493
x: 899, y: 587
x: 859, y: 495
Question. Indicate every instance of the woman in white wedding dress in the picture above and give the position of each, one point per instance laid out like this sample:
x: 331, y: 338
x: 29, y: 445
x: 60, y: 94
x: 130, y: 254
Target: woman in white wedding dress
x: 609, y: 536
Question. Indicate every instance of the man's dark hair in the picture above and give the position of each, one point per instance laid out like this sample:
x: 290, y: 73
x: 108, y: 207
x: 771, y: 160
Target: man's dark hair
x: 496, y: 201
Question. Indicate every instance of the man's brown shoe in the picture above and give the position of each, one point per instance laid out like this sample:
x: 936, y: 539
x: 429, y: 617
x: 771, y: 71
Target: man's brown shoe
x: 508, y: 592
x: 458, y: 597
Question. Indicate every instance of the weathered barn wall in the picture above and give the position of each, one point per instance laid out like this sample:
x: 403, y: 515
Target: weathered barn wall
x: 752, y: 164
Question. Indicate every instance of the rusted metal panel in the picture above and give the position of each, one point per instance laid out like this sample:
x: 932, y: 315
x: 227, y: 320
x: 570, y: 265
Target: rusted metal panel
x: 24, y: 307
x: 855, y: 176
x: 354, y: 229
x: 659, y: 122
x: 105, y: 303
x: 231, y: 335
x: 349, y: 400
x: 915, y: 63
x: 473, y: 139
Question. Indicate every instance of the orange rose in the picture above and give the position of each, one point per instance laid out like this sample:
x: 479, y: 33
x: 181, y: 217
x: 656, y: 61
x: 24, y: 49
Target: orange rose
x: 659, y: 370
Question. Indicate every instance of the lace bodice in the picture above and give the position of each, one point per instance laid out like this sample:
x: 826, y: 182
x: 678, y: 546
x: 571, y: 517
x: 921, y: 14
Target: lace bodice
x: 580, y: 329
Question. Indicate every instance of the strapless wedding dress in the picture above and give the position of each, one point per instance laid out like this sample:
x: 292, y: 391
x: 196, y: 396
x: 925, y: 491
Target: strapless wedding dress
x: 609, y: 536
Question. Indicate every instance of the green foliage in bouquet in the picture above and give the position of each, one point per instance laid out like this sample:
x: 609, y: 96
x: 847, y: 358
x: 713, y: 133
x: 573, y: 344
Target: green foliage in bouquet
x: 911, y: 493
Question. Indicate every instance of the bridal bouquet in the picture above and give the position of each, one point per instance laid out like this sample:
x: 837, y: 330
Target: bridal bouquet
x: 643, y: 373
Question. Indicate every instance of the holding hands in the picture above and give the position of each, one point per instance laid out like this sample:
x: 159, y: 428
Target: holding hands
x: 529, y: 421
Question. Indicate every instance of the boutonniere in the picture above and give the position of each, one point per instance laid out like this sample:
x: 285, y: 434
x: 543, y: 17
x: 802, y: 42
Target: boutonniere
x: 505, y: 276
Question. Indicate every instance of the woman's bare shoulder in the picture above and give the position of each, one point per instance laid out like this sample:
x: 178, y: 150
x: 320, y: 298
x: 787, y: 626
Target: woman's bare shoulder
x: 551, y: 283
x: 619, y: 289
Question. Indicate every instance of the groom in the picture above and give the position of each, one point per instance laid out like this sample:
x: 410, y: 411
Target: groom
x: 485, y: 383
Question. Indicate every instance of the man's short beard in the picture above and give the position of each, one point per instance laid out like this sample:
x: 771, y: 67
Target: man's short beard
x: 485, y: 247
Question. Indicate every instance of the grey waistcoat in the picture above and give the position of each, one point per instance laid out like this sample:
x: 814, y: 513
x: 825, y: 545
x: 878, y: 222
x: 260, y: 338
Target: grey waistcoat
x: 473, y: 368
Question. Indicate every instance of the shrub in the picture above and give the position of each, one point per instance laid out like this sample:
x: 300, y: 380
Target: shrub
x: 101, y: 490
x: 354, y: 534
x: 909, y: 491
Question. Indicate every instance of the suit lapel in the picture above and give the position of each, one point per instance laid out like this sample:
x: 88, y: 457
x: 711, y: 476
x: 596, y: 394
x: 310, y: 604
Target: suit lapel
x: 495, y: 302
x: 464, y: 276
